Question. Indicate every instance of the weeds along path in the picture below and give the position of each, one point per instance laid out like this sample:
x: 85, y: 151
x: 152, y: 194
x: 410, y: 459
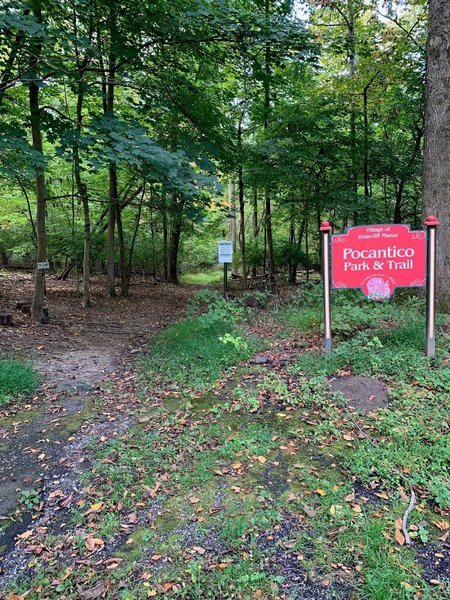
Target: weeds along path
x: 85, y: 360
x: 227, y: 468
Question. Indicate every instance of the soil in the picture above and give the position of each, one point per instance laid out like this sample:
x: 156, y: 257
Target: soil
x: 364, y: 394
x: 77, y: 353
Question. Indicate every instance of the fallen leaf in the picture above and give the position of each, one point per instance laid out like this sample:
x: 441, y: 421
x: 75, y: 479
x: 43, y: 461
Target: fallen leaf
x: 261, y: 459
x: 399, y: 537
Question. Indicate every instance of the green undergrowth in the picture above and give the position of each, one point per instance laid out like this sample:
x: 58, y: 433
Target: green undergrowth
x: 194, y: 352
x: 265, y: 484
x: 204, y: 278
x: 16, y: 378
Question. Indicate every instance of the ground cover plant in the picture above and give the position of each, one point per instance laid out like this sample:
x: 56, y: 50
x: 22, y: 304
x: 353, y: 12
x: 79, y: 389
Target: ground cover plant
x: 16, y: 378
x: 256, y: 479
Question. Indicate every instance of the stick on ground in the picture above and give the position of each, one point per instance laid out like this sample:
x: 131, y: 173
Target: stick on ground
x: 405, y: 517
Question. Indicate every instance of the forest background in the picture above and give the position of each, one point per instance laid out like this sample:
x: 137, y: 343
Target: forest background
x: 136, y: 135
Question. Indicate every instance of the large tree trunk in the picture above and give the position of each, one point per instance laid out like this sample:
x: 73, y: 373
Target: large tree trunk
x: 37, y: 307
x: 436, y: 164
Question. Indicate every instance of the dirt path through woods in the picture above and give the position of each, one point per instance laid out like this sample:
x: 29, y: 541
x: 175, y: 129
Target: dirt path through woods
x: 82, y: 355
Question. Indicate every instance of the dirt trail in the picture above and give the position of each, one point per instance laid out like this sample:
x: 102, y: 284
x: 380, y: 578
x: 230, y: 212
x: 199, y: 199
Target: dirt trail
x: 77, y: 353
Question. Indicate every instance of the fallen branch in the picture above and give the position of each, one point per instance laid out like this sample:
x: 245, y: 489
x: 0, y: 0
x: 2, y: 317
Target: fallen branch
x: 405, y: 517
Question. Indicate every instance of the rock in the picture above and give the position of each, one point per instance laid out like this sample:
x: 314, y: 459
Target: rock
x: 261, y: 360
x: 81, y: 386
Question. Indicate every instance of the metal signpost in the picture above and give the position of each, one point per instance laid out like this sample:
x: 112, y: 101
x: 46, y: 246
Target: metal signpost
x: 378, y: 259
x: 225, y: 255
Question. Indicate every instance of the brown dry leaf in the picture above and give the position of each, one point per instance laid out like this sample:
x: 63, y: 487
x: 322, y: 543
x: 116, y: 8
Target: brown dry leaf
x: 199, y: 549
x: 236, y: 465
x: 350, y: 497
x: 193, y: 500
x: 442, y: 525
x: 26, y: 534
x: 356, y: 508
x: 348, y: 437
x: 94, y: 508
x: 309, y: 511
x: 261, y: 459
x: 382, y: 495
x: 399, y: 537
x: 132, y: 518
x: 94, y: 592
x: 156, y: 557
x: 291, y: 498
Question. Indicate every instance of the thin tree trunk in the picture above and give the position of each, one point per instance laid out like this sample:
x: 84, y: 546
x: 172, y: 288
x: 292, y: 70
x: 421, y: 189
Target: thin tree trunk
x: 255, y: 223
x: 81, y: 186
x: 242, y: 223
x: 267, y: 190
x: 351, y: 38
x: 175, y: 236
x: 37, y: 306
x: 113, y: 195
x: 124, y: 276
x: 165, y: 240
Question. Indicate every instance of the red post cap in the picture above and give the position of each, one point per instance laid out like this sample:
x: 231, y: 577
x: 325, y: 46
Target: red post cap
x: 326, y: 226
x: 431, y: 221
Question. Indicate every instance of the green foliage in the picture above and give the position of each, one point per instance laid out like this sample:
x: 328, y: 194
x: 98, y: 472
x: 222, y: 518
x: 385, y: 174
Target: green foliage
x: 195, y: 351
x: 16, y: 378
x: 30, y: 498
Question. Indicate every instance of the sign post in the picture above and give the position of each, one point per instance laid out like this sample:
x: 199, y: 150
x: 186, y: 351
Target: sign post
x: 378, y: 259
x: 326, y: 231
x: 225, y: 255
x: 431, y: 223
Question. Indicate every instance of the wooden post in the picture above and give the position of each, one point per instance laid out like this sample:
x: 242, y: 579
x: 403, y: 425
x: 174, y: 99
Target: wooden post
x: 431, y: 223
x: 326, y: 231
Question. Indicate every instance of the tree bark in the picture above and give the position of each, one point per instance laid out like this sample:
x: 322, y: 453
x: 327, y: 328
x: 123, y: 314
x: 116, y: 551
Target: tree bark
x: 37, y: 307
x: 436, y: 164
x: 175, y: 236
x: 255, y: 224
x: 113, y: 195
x: 242, y: 222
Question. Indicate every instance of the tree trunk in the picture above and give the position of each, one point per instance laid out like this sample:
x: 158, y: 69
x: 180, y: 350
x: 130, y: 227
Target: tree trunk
x: 175, y: 236
x: 113, y: 195
x: 436, y: 164
x: 267, y: 190
x: 165, y: 240
x: 351, y: 38
x: 242, y: 222
x: 81, y: 186
x: 37, y: 307
x: 255, y: 223
x: 232, y: 221
x: 124, y: 276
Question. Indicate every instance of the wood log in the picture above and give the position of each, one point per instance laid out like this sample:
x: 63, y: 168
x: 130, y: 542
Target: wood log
x: 6, y: 320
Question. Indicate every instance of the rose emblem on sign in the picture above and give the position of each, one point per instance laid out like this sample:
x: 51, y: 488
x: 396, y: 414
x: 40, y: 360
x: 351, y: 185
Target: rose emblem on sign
x: 378, y: 288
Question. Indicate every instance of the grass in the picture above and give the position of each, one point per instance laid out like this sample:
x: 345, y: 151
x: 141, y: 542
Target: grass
x: 205, y: 278
x: 16, y: 378
x: 261, y: 486
x: 194, y: 352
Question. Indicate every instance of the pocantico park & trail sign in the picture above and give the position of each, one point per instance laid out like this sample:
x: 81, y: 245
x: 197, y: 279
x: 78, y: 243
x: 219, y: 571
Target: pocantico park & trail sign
x: 378, y: 259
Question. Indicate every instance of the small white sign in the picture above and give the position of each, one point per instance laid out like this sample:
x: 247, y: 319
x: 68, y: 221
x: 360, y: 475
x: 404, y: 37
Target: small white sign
x: 42, y: 266
x: 225, y: 252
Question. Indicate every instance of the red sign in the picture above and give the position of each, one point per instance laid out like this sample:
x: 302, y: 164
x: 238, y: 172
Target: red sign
x: 378, y: 259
